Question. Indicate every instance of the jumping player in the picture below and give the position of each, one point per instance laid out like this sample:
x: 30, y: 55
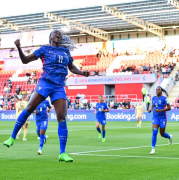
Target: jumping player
x: 56, y: 61
x: 20, y: 107
x: 138, y: 113
x: 42, y: 122
x: 160, y: 105
x: 100, y: 110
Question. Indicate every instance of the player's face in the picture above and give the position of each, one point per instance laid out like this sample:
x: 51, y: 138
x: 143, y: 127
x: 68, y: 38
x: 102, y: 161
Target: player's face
x: 26, y: 98
x: 56, y: 37
x: 158, y: 91
x: 100, y: 99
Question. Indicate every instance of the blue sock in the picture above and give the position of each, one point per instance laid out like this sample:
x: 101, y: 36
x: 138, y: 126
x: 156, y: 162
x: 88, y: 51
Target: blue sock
x: 41, y: 141
x: 20, y: 122
x: 154, y: 138
x: 63, y: 135
x: 38, y: 133
x: 166, y: 135
x: 99, y: 130
x: 104, y: 132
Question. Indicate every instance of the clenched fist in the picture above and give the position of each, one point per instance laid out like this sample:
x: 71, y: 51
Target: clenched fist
x: 17, y: 43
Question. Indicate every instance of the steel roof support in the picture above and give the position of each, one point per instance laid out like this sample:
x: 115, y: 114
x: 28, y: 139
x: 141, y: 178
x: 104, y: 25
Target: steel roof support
x: 135, y: 21
x: 79, y: 26
x: 15, y: 27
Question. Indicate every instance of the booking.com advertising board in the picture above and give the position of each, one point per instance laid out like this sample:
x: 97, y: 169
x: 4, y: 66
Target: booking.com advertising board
x: 88, y: 115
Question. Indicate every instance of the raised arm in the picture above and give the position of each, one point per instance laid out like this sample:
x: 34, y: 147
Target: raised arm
x: 75, y: 70
x: 25, y: 59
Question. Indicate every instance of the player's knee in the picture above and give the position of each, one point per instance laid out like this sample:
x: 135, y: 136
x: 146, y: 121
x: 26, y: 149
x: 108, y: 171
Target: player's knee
x: 61, y: 118
x: 30, y: 108
x: 103, y: 128
x: 155, y: 131
x: 162, y: 134
x: 97, y: 126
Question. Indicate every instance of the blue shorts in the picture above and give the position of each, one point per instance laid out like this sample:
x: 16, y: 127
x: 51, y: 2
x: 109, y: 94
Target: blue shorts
x: 47, y: 88
x: 42, y: 125
x: 103, y: 122
x: 162, y: 122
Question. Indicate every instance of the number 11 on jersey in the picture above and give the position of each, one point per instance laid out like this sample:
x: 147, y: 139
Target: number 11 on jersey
x: 60, y: 59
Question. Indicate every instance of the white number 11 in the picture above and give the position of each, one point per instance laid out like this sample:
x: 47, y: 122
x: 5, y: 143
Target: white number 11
x: 60, y: 59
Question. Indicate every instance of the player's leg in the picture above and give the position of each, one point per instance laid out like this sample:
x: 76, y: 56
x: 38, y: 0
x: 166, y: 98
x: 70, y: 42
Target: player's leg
x: 98, y: 129
x: 25, y: 130
x: 140, y: 119
x: 38, y: 129
x: 163, y: 133
x: 137, y: 121
x: 61, y: 111
x: 154, y: 137
x: 35, y: 100
x: 103, y: 132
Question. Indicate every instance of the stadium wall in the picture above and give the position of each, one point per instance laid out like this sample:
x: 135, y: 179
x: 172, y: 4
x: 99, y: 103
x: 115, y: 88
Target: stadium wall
x: 88, y: 115
x: 129, y: 89
x: 90, y: 90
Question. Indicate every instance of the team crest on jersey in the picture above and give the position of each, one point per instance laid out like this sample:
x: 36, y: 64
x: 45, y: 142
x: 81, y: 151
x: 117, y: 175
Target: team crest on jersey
x: 156, y: 104
x: 159, y: 101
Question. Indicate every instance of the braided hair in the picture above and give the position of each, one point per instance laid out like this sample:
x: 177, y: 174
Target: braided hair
x: 163, y: 90
x: 65, y: 42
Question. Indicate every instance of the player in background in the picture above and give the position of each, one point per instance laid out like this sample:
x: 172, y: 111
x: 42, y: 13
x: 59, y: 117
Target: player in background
x: 20, y: 107
x: 139, y: 113
x: 100, y: 110
x: 42, y: 122
x: 159, y: 107
x: 56, y: 61
x: 16, y: 100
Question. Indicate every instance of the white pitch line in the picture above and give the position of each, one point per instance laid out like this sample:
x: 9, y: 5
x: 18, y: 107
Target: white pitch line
x: 147, y: 157
x: 105, y: 150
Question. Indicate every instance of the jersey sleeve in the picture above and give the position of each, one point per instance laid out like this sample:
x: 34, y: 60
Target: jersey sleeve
x: 69, y: 56
x: 39, y: 52
x: 166, y: 101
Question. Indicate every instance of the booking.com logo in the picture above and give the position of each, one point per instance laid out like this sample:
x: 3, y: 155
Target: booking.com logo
x: 123, y: 116
x: 71, y: 117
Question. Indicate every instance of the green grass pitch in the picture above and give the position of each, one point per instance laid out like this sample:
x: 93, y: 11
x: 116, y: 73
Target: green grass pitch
x: 124, y: 155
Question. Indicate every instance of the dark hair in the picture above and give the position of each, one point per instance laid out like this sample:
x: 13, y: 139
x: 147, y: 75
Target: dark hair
x: 100, y: 96
x: 52, y: 34
x: 163, y: 90
x: 16, y: 97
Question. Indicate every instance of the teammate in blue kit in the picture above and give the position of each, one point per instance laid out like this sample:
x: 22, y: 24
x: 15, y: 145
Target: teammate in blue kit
x: 160, y: 105
x: 100, y: 110
x: 56, y: 61
x: 42, y: 122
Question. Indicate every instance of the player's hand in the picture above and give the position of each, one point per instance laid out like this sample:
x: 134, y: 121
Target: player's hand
x: 149, y: 111
x: 17, y: 43
x: 36, y: 111
x: 157, y: 110
x: 86, y: 73
x: 102, y: 110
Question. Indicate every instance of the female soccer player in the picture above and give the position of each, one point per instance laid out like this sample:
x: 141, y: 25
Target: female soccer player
x: 42, y: 122
x: 138, y: 113
x: 100, y: 110
x: 160, y: 105
x: 56, y: 58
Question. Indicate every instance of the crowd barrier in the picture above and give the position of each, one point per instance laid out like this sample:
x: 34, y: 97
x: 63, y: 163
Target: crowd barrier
x: 88, y: 115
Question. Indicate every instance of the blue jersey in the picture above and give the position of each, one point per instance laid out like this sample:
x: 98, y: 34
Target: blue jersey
x: 159, y: 103
x: 42, y: 111
x: 55, y: 61
x: 100, y: 114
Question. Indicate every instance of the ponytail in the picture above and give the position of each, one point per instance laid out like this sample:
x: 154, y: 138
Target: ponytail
x: 163, y: 90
